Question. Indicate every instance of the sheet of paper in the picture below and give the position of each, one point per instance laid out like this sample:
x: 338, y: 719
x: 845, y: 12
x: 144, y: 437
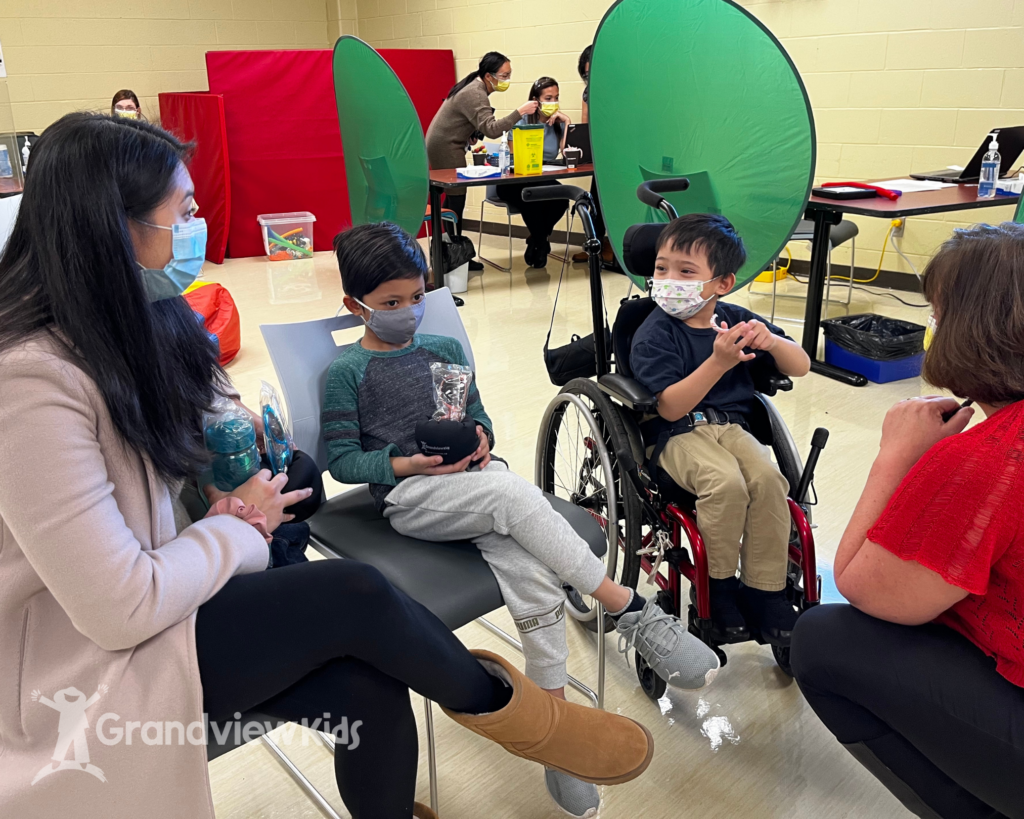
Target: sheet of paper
x: 913, y: 185
x: 553, y: 167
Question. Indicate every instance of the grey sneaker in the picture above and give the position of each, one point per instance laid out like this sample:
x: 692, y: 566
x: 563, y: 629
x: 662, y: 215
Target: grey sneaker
x: 674, y: 654
x: 573, y: 797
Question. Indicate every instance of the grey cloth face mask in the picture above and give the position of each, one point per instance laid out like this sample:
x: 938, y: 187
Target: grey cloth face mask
x: 395, y: 326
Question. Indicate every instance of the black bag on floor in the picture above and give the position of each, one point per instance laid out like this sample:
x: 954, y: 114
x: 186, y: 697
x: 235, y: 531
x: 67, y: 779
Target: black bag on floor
x: 456, y: 251
x: 875, y: 337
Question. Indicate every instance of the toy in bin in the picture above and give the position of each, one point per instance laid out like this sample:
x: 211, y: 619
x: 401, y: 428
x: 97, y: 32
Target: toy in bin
x: 287, y: 236
x: 449, y: 433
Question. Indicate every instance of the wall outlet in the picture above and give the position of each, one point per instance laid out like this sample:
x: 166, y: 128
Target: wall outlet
x: 899, y: 225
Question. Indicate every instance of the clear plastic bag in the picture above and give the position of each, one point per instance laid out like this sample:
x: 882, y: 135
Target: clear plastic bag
x: 277, y: 429
x: 451, y: 390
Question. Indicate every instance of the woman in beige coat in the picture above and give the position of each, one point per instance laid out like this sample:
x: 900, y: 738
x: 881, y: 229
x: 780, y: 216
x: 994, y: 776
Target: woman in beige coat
x: 467, y: 111
x: 119, y: 629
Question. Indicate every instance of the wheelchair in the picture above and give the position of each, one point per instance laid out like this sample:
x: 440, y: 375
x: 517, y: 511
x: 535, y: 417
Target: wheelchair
x: 591, y: 453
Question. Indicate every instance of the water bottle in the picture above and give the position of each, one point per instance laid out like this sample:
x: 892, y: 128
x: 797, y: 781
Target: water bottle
x: 6, y: 170
x: 504, y: 160
x: 989, y: 170
x: 231, y: 440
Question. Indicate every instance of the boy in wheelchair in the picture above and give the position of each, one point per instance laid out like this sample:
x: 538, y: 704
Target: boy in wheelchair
x: 378, y: 389
x: 694, y: 355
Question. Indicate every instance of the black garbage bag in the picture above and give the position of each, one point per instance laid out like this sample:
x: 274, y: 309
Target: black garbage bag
x: 876, y: 337
x: 456, y: 251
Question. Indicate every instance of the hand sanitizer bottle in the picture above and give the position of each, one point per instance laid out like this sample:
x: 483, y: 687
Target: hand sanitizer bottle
x: 989, y: 170
x: 503, y: 156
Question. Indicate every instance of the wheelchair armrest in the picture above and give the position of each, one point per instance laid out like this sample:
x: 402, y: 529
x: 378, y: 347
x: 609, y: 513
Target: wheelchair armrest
x: 781, y: 383
x: 631, y: 393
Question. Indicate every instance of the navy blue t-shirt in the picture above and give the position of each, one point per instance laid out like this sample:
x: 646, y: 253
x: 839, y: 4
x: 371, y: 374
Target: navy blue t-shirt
x: 666, y: 350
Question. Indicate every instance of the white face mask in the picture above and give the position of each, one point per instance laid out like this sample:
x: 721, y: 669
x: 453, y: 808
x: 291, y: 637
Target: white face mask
x: 680, y: 299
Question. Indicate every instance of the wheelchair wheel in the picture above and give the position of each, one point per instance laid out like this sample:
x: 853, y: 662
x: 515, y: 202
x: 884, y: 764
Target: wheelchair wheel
x: 650, y: 683
x: 782, y: 658
x: 580, y: 433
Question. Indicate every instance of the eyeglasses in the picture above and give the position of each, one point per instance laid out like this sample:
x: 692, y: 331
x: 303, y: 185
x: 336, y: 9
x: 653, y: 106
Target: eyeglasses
x: 503, y: 77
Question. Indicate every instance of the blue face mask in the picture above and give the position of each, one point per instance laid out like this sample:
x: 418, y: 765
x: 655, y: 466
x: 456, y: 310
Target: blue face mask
x: 189, y: 252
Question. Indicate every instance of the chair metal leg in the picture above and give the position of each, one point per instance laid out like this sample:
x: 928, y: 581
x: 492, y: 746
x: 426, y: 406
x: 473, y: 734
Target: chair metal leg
x: 828, y: 280
x: 480, y: 239
x: 301, y: 781
x: 853, y: 258
x: 564, y: 257
x: 595, y: 699
x: 431, y: 752
x: 775, y: 286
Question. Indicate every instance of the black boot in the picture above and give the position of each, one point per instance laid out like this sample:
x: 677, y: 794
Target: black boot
x: 727, y: 623
x: 770, y: 612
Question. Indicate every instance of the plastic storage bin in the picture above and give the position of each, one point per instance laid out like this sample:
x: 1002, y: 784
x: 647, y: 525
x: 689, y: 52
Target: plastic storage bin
x: 881, y: 372
x: 287, y: 236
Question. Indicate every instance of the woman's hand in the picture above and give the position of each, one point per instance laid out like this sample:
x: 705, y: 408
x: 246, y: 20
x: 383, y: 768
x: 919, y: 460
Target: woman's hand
x: 559, y: 116
x: 421, y: 464
x: 483, y: 452
x: 264, y: 492
x: 915, y: 425
x: 528, y: 108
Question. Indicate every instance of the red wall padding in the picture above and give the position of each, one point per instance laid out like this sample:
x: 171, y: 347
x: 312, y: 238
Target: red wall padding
x: 284, y: 144
x: 199, y: 117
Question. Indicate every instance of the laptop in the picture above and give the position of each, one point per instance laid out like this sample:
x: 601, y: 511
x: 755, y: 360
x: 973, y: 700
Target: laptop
x: 1011, y: 144
x: 579, y: 137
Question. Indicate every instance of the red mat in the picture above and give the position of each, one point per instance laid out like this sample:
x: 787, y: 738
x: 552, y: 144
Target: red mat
x: 284, y: 145
x: 199, y: 117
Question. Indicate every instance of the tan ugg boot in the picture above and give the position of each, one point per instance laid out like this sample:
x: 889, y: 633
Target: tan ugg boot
x: 421, y: 811
x: 587, y: 743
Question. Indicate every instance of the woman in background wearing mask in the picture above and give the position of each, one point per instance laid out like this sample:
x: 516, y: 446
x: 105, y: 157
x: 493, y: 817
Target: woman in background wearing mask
x: 467, y: 111
x: 607, y: 256
x: 541, y: 217
x: 107, y: 595
x: 126, y: 104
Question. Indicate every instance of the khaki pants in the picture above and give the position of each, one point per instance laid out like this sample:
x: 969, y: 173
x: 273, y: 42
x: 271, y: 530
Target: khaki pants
x: 741, y: 501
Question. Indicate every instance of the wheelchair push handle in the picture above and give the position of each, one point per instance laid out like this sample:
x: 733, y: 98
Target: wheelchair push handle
x: 545, y: 192
x: 650, y: 193
x: 818, y: 441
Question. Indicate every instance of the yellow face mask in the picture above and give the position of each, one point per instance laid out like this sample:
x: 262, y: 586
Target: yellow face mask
x: 501, y: 85
x: 929, y: 331
x: 548, y: 108
x: 126, y: 114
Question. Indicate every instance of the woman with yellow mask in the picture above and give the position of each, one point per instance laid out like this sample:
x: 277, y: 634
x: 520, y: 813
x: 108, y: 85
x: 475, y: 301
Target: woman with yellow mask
x: 467, y: 111
x: 126, y: 104
x: 541, y: 217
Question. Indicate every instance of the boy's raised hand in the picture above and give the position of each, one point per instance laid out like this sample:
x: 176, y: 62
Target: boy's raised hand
x: 759, y: 337
x: 730, y: 343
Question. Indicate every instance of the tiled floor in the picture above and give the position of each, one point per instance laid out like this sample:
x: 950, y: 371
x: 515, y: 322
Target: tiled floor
x: 748, y: 746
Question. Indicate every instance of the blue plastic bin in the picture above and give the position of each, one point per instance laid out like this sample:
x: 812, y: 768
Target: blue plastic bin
x: 881, y: 372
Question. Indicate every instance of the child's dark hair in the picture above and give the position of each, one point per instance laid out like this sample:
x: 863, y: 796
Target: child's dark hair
x: 711, y: 233
x: 370, y: 255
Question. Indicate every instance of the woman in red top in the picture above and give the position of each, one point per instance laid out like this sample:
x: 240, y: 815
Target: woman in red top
x: 922, y: 677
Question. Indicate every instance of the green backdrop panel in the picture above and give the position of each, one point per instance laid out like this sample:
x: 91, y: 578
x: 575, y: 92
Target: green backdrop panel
x: 381, y: 136
x: 699, y: 88
x: 1018, y: 214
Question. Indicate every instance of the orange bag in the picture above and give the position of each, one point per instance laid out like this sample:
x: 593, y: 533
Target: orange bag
x: 220, y: 316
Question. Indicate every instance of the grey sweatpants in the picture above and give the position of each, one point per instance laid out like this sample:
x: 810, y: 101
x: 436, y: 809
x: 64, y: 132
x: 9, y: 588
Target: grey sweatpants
x: 530, y: 548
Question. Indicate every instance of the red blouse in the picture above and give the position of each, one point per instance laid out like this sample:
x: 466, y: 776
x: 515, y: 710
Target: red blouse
x: 959, y: 513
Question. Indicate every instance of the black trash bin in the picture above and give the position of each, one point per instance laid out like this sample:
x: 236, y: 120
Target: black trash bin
x: 880, y: 348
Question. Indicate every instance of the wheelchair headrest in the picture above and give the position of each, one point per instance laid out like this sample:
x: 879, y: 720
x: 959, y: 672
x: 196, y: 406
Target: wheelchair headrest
x: 640, y: 248
x: 631, y: 315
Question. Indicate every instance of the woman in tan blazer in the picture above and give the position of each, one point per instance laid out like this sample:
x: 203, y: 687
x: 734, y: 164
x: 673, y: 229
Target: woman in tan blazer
x: 119, y: 629
x: 467, y: 111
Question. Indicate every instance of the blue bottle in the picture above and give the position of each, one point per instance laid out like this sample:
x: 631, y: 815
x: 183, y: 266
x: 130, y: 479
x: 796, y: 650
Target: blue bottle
x: 989, y: 170
x: 231, y: 440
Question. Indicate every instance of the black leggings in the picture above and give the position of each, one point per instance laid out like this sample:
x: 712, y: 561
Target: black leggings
x: 540, y: 217
x: 921, y: 707
x: 334, y: 636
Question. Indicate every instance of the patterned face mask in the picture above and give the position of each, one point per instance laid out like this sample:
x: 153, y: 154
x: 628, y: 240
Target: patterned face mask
x: 680, y: 299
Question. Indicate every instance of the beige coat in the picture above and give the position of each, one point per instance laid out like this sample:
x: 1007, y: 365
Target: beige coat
x: 97, y: 593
